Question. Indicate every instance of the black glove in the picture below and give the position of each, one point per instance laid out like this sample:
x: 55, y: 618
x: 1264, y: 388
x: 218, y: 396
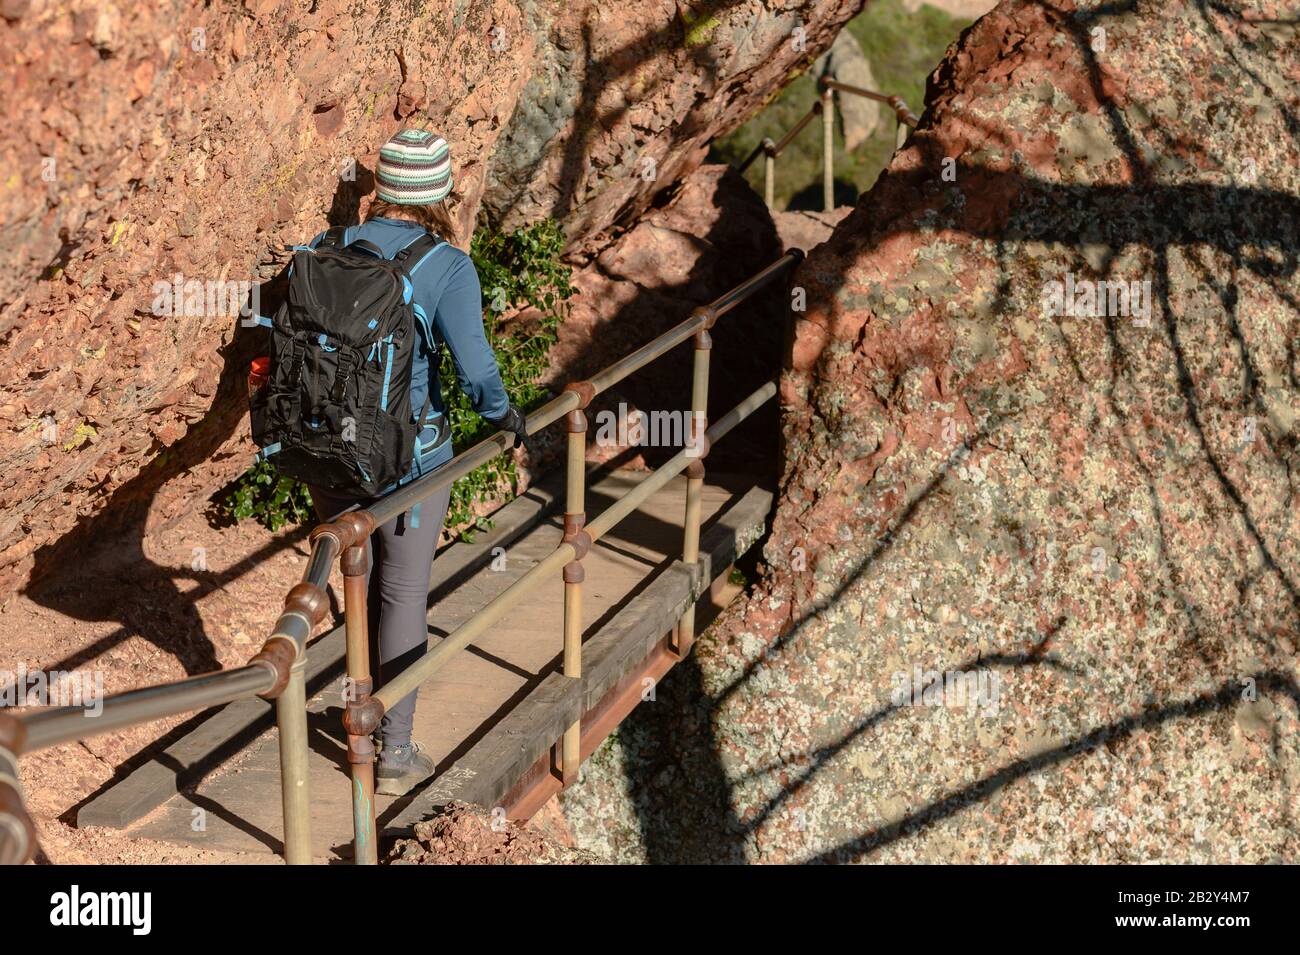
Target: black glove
x: 514, y: 422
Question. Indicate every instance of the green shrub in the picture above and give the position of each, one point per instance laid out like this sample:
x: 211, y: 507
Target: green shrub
x: 515, y: 270
x: 262, y: 494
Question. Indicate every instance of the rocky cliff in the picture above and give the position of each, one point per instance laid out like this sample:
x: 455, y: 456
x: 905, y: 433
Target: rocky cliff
x: 150, y: 147
x: 1031, y: 592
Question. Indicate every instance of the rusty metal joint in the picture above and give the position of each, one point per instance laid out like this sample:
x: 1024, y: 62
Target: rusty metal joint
x: 573, y: 572
x: 574, y: 521
x: 361, y: 750
x: 578, y: 538
x: 703, y: 340
x: 277, y: 655
x: 361, y: 717
x: 308, y: 600
x: 348, y: 529
x: 585, y: 391
x: 576, y: 421
x: 698, y: 443
x: 355, y: 561
x: 902, y: 111
x: 708, y: 313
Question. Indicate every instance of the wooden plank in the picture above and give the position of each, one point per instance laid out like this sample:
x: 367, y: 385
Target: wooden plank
x: 538, y: 784
x: 191, y: 757
x: 631, y: 646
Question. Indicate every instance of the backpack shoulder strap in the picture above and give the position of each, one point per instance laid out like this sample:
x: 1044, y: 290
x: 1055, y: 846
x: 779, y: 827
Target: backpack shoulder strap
x: 333, y: 238
x: 413, y: 256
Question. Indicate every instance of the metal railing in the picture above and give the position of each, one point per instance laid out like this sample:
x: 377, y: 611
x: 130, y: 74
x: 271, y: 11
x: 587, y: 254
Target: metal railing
x: 277, y: 671
x: 904, y: 119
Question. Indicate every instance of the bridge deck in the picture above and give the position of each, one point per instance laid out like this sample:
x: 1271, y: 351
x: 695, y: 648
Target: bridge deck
x: 240, y: 800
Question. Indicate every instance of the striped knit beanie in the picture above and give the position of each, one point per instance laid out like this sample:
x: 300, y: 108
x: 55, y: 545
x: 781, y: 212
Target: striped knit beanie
x: 414, y: 169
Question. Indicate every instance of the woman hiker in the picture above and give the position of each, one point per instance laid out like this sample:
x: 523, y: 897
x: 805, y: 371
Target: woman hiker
x: 413, y: 186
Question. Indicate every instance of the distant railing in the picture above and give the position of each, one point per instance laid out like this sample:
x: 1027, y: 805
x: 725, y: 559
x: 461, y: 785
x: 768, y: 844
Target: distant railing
x: 904, y: 119
x: 277, y: 671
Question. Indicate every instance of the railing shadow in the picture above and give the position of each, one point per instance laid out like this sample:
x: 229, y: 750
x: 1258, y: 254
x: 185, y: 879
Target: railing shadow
x: 1225, y: 697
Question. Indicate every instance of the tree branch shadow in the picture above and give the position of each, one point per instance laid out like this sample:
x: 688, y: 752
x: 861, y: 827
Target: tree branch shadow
x: 954, y: 802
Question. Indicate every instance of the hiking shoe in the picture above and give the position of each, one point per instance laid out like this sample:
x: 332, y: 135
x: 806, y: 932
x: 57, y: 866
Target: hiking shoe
x: 401, y: 769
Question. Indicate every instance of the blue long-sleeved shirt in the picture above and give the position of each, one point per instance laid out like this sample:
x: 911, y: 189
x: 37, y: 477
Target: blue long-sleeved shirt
x: 449, y: 303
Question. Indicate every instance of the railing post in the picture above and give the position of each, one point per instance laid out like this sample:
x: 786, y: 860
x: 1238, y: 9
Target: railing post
x: 685, y: 633
x: 291, y: 715
x: 575, y: 517
x: 828, y: 149
x: 769, y: 172
x: 361, y: 749
x: 905, y: 119
x: 17, y: 833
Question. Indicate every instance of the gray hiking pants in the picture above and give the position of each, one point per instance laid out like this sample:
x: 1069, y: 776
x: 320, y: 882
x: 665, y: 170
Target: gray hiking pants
x: 401, y: 553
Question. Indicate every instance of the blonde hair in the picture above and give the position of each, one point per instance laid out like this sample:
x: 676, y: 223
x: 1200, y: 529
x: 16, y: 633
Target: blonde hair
x: 436, y: 217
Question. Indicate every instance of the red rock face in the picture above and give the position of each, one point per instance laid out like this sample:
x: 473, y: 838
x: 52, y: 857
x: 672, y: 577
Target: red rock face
x: 200, y: 141
x: 1091, y: 510
x: 624, y: 102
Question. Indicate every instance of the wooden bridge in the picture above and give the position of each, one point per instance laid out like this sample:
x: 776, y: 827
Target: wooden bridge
x: 567, y: 613
x: 490, y: 717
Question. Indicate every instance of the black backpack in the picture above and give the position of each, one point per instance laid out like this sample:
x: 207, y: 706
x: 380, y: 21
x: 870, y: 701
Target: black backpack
x: 336, y: 411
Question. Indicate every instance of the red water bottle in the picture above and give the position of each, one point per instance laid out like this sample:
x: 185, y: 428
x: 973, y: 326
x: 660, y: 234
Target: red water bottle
x: 259, y: 373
